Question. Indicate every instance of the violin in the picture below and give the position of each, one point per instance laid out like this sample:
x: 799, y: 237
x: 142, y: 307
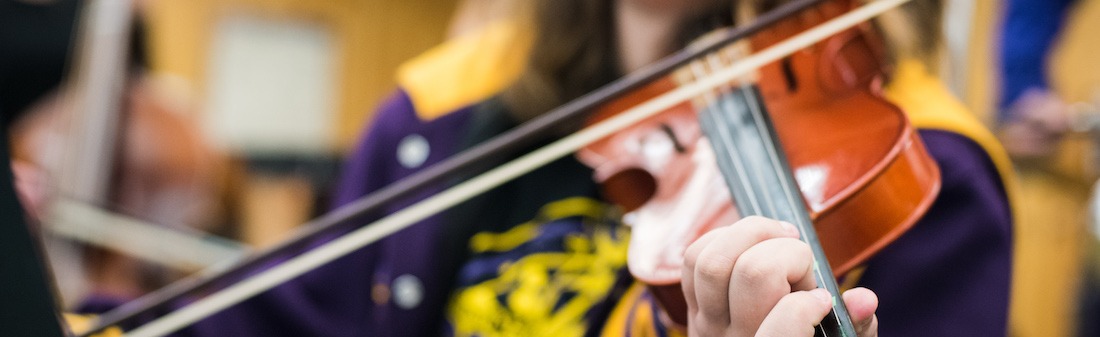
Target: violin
x: 815, y: 119
x: 465, y: 162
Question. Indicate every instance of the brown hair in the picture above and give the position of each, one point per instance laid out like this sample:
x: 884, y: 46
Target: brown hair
x: 575, y: 52
x: 915, y: 30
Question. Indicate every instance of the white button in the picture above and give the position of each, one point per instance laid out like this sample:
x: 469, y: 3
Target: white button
x: 412, y: 151
x: 408, y: 292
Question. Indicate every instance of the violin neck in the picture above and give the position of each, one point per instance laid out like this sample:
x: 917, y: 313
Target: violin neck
x: 759, y: 178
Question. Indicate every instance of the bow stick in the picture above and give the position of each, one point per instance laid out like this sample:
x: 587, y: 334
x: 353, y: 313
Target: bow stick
x: 408, y: 216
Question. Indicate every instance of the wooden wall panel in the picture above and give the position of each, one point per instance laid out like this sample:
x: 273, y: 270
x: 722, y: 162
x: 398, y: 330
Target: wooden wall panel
x: 373, y: 37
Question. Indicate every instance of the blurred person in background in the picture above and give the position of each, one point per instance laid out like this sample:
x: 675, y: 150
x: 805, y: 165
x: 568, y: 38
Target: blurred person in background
x: 164, y: 173
x: 34, y: 39
x: 1032, y: 118
x: 1040, y: 129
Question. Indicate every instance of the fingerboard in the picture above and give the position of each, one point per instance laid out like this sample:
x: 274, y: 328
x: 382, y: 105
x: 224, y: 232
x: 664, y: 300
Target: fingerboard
x: 759, y: 178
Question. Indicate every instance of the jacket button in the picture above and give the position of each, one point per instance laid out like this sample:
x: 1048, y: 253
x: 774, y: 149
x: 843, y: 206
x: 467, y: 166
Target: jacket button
x: 413, y: 151
x: 408, y: 291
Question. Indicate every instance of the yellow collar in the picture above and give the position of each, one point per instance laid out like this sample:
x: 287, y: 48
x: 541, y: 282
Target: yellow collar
x: 465, y: 70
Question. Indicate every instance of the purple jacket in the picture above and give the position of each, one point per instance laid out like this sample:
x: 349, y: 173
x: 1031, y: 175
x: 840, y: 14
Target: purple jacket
x: 352, y: 296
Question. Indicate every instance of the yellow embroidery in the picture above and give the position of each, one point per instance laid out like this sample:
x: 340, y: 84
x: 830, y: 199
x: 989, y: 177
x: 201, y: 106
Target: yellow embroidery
x: 546, y: 293
x: 489, y: 242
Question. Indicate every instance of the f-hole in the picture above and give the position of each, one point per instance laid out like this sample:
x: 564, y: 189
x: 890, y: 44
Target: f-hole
x: 788, y: 73
x: 672, y: 135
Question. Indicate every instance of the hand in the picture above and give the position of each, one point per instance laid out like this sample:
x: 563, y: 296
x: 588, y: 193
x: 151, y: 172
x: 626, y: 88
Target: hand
x: 755, y: 278
x: 1036, y: 123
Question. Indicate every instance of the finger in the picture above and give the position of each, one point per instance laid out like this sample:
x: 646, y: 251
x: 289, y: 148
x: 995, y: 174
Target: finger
x: 763, y: 275
x: 687, y: 273
x: 862, y: 303
x: 714, y: 262
x: 796, y: 314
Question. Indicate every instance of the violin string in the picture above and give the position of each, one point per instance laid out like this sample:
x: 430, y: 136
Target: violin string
x: 777, y: 161
x: 734, y: 155
x: 722, y: 146
x: 725, y: 144
x: 766, y: 205
x: 383, y: 227
x: 726, y: 154
x: 755, y: 110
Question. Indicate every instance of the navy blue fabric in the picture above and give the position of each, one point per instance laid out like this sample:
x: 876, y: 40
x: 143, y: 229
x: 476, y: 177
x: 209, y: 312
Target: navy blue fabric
x: 1030, y: 29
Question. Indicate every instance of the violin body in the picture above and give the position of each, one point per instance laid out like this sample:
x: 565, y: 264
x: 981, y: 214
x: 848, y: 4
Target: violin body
x: 863, y: 172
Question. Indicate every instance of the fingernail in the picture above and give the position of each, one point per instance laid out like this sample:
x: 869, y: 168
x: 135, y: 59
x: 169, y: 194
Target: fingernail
x: 789, y: 228
x: 823, y: 295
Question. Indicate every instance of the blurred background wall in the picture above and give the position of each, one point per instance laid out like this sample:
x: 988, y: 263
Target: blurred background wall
x: 287, y: 86
x: 363, y: 42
